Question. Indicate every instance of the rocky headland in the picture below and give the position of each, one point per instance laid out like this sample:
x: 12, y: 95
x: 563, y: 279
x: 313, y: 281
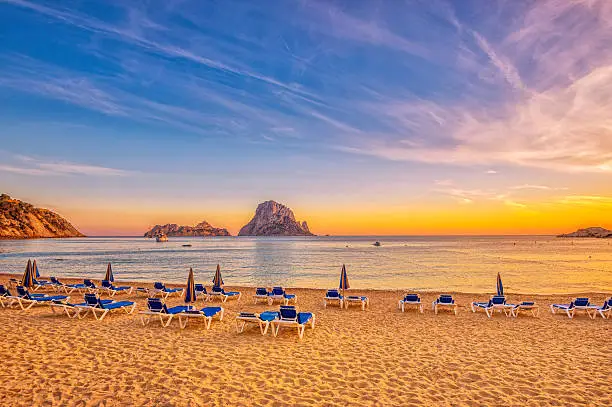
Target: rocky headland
x: 274, y: 219
x: 21, y: 220
x: 596, y: 232
x: 172, y: 229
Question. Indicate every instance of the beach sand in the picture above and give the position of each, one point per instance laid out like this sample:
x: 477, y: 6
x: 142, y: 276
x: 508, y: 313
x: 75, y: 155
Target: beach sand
x: 379, y: 357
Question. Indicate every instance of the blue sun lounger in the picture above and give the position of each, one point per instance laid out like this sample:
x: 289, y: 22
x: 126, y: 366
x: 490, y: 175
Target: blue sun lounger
x: 219, y: 292
x: 361, y: 300
x: 444, y: 301
x: 333, y: 297
x: 289, y: 317
x: 527, y: 306
x: 56, y: 284
x: 579, y: 304
x: 25, y: 300
x: 604, y: 310
x: 200, y: 291
x: 42, y: 284
x: 68, y: 288
x: 157, y: 308
x: 91, y: 286
x: 112, y: 289
x: 411, y: 300
x: 261, y: 294
x: 495, y: 303
x: 99, y: 308
x: 206, y: 313
x: 160, y: 289
x: 6, y: 298
x: 263, y: 320
x: 278, y: 293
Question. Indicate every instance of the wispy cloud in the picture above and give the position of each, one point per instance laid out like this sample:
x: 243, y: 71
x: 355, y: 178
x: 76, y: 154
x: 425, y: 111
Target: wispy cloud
x: 32, y: 166
x: 560, y: 122
x: 529, y: 85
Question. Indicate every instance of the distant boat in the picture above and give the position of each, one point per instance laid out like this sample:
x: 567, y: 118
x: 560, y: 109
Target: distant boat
x: 161, y: 238
x: 376, y: 244
x: 186, y: 245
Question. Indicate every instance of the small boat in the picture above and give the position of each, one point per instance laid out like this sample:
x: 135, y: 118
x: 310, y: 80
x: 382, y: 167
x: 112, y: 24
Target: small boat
x: 377, y: 244
x: 186, y: 245
x: 161, y: 238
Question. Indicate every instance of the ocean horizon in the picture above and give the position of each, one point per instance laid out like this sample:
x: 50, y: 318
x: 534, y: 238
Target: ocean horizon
x: 530, y: 264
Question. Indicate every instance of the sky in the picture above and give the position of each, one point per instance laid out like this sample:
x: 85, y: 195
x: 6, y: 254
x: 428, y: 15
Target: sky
x: 364, y: 117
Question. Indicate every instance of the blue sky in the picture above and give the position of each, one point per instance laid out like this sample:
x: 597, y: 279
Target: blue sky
x: 195, y: 105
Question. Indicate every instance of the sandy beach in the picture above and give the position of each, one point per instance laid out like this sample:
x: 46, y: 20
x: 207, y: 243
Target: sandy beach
x: 379, y: 357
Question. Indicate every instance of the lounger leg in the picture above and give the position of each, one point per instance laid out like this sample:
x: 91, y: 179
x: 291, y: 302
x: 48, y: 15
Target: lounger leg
x: 131, y: 309
x: 208, y: 321
x: 181, y: 324
x: 167, y: 323
x: 324, y: 303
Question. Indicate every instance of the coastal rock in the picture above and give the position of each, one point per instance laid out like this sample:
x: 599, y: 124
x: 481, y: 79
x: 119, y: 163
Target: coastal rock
x: 172, y: 229
x: 597, y: 232
x: 21, y: 220
x: 274, y: 219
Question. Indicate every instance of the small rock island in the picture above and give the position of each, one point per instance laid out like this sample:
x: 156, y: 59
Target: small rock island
x: 274, y: 219
x: 173, y: 230
x: 21, y: 220
x: 594, y: 232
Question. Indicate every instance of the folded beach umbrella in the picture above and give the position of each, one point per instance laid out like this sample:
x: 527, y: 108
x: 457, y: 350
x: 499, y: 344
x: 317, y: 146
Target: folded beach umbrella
x: 344, y: 283
x: 500, y: 287
x: 28, y: 277
x: 109, y: 273
x: 217, y: 281
x: 190, y: 293
x: 35, y: 268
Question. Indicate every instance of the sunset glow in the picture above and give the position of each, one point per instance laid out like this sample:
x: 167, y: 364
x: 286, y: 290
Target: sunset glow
x: 363, y: 117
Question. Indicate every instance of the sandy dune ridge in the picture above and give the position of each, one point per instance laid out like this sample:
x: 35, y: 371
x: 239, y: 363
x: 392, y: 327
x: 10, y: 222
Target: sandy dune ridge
x: 379, y: 357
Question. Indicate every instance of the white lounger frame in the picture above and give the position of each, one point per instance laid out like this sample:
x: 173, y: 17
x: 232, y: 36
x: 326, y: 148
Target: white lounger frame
x: 100, y: 313
x: 571, y: 312
x: 223, y: 297
x: 452, y: 307
x: 357, y: 301
x: 277, y: 323
x: 516, y: 309
x: 145, y: 317
x: 185, y: 316
x: 22, y: 301
x: 260, y: 297
x: 111, y: 292
x: 333, y: 301
x: 242, y: 321
x: 64, y: 309
x: 402, y: 305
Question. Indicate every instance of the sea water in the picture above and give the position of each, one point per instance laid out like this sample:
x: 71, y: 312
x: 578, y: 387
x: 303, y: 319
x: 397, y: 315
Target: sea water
x: 528, y: 264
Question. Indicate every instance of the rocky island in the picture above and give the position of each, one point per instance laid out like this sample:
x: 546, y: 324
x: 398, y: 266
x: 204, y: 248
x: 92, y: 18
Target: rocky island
x: 21, y: 220
x: 172, y: 229
x: 274, y: 219
x: 596, y: 232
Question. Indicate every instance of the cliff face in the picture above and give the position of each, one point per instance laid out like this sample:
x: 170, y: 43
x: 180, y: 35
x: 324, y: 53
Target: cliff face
x: 201, y: 229
x: 20, y: 220
x: 274, y: 219
x: 596, y: 232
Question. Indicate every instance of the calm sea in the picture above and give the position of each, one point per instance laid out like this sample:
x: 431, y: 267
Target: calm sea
x: 528, y: 264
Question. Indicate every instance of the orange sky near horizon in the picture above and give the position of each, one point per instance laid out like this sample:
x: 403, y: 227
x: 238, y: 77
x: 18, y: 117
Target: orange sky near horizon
x: 440, y: 219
